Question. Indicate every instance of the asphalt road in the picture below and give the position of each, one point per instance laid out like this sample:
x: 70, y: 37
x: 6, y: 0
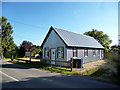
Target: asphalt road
x: 17, y: 76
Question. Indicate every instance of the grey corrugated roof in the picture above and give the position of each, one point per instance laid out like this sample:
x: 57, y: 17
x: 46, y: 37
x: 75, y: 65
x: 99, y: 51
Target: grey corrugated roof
x: 77, y: 40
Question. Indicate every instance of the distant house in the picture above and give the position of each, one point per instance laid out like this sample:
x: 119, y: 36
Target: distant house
x: 61, y: 45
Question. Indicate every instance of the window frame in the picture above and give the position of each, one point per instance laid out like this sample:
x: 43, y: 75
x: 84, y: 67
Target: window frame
x: 46, y: 50
x: 102, y: 53
x: 76, y: 52
x: 61, y: 52
x: 94, y: 52
x: 98, y: 52
x: 85, y: 55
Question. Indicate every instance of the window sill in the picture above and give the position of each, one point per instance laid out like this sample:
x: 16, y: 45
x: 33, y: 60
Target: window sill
x: 60, y: 58
x: 74, y: 57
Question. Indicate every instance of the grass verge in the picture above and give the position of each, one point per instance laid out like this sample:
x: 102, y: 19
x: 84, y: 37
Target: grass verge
x: 102, y: 73
x: 46, y: 67
x: 5, y: 58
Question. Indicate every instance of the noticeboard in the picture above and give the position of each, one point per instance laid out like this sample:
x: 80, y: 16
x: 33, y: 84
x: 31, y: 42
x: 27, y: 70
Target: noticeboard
x: 27, y: 53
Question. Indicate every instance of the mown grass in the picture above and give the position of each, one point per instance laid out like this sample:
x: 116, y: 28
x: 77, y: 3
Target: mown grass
x: 100, y: 72
x: 46, y: 67
x: 89, y: 72
x: 5, y: 58
x: 32, y: 64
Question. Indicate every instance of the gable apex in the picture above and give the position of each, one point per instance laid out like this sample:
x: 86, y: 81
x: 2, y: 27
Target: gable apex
x: 51, y: 28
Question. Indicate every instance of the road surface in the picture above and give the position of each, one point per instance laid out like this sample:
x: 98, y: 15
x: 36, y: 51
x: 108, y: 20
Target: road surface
x: 17, y: 76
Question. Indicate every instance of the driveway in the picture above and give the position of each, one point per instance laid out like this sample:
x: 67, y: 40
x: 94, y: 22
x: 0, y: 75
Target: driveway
x: 17, y: 76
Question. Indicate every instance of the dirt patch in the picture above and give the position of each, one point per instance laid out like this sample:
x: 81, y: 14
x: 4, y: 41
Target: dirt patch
x: 104, y: 64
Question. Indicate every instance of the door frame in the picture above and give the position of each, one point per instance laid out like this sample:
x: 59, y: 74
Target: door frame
x: 51, y: 55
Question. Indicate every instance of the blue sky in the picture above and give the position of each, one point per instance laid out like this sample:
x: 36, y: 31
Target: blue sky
x: 32, y: 20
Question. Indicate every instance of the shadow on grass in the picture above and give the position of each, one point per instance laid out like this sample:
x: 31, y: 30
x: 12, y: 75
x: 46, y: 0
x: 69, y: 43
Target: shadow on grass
x: 39, y: 65
x: 104, y: 74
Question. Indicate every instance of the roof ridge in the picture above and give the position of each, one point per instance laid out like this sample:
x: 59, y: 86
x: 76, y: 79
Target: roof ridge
x: 73, y: 32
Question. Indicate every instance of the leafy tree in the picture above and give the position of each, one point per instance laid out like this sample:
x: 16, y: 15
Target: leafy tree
x: 0, y: 44
x: 26, y: 46
x: 37, y: 50
x: 102, y: 38
x: 115, y: 48
x: 8, y: 44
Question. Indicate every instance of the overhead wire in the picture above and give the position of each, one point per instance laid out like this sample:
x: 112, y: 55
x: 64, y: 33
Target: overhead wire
x: 35, y: 26
x: 30, y: 25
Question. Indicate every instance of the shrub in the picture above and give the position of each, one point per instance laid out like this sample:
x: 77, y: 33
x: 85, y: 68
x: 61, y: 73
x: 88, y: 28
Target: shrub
x: 9, y: 54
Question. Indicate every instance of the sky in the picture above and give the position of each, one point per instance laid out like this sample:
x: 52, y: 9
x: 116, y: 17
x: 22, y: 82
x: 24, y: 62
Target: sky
x: 31, y: 20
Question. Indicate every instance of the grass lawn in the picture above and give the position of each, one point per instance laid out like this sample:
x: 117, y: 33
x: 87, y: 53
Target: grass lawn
x: 5, y: 59
x: 46, y: 67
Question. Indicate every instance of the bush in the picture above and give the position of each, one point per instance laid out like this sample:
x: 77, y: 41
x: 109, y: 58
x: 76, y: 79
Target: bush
x: 9, y: 54
x: 112, y: 56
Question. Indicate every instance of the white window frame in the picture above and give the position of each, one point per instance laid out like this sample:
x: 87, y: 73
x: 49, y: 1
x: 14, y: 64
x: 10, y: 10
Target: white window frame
x: 74, y: 51
x: 94, y: 52
x: 85, y: 51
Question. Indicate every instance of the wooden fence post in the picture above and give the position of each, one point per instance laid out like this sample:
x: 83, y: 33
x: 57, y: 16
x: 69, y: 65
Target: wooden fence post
x: 71, y: 64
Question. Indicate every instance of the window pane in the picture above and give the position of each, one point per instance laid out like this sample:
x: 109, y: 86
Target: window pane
x: 86, y: 52
x: 46, y: 50
x: 60, y: 52
x: 74, y: 52
x: 98, y: 52
x: 94, y: 52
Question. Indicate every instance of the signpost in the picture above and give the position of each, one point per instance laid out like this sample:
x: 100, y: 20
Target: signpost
x: 28, y: 54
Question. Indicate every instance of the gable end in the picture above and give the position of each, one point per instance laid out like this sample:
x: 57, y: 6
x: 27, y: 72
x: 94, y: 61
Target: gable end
x: 51, y: 28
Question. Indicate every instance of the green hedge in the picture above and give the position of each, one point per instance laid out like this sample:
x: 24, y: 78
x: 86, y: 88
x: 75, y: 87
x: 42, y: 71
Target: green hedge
x: 9, y: 54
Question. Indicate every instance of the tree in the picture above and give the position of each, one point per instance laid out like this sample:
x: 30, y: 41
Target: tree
x: 102, y: 38
x: 1, y: 44
x: 37, y: 50
x: 8, y: 44
x: 115, y: 48
x: 26, y: 46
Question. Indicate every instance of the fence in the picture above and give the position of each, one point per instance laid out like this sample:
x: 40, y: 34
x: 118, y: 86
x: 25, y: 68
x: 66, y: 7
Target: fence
x: 68, y: 62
